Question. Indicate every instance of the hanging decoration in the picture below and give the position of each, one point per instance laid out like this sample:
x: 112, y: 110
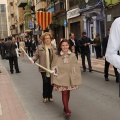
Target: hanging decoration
x: 44, y: 19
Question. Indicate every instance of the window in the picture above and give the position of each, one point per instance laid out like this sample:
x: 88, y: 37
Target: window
x: 73, y: 3
x: 2, y: 8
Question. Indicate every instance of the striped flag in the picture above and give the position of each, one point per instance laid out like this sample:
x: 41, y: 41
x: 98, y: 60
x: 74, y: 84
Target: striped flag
x: 44, y: 19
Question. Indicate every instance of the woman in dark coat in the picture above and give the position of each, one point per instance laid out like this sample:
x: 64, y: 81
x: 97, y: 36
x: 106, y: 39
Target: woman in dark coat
x: 97, y: 45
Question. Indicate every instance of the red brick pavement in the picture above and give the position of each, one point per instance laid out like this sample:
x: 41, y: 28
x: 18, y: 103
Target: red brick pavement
x: 98, y: 65
x: 10, y: 106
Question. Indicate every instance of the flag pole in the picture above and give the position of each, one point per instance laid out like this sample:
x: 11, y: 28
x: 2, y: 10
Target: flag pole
x: 50, y: 71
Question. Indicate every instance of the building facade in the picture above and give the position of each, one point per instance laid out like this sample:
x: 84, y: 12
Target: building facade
x: 3, y: 19
x: 12, y: 17
x: 112, y: 11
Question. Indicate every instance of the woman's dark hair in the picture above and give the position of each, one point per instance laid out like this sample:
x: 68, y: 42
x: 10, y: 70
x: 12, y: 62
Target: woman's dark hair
x: 59, y: 46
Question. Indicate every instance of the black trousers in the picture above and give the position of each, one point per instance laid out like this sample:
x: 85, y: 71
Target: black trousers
x: 98, y: 52
x: 106, y: 69
x: 47, y: 87
x: 14, y: 60
x: 88, y: 59
x: 29, y: 51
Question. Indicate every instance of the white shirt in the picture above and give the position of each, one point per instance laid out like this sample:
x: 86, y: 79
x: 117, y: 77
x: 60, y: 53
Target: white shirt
x: 114, y: 45
x: 53, y: 42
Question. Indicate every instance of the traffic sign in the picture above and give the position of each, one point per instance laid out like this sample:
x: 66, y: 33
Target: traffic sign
x: 30, y: 24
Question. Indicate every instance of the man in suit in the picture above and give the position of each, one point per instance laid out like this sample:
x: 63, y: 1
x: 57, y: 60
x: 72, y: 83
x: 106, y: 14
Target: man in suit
x: 10, y: 48
x: 74, y: 44
x: 85, y: 51
x: 107, y: 64
x: 29, y: 43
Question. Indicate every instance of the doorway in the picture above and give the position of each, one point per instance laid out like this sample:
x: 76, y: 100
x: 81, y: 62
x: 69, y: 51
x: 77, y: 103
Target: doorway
x: 92, y: 38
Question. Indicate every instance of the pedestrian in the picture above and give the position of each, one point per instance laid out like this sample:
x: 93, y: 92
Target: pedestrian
x: 2, y: 48
x: 33, y: 46
x: 17, y: 44
x: 107, y: 64
x: 114, y: 46
x: 97, y: 45
x: 21, y: 44
x: 26, y: 44
x: 29, y: 43
x: 84, y: 43
x: 10, y: 48
x: 74, y: 44
x: 44, y: 54
x: 67, y: 73
x: 53, y: 42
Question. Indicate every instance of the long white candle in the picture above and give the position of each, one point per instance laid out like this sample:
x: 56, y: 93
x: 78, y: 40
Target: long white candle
x: 50, y: 71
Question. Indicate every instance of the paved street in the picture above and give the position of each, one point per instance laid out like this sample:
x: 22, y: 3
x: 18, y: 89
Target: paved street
x: 95, y: 100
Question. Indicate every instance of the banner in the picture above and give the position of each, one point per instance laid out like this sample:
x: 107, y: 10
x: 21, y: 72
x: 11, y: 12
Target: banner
x: 44, y: 19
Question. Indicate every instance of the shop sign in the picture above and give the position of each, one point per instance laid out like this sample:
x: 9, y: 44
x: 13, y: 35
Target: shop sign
x: 109, y: 17
x: 73, y: 13
x: 65, y: 23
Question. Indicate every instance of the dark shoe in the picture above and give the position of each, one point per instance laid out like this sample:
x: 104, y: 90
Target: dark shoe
x: 117, y: 81
x: 18, y: 71
x: 12, y: 72
x: 84, y: 70
x: 106, y: 79
x: 90, y: 70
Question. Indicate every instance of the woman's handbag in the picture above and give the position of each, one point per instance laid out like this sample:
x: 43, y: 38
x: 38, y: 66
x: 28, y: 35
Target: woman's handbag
x: 8, y: 55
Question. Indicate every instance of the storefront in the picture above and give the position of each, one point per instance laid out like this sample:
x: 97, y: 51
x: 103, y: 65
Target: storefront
x: 94, y: 21
x: 74, y: 21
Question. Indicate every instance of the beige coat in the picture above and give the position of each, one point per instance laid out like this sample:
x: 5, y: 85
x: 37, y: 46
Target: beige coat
x: 68, y: 73
x: 40, y: 55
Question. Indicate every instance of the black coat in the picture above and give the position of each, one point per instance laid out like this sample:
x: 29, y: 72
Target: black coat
x: 76, y: 45
x: 10, y: 47
x: 104, y: 44
x: 85, y: 49
x: 33, y: 45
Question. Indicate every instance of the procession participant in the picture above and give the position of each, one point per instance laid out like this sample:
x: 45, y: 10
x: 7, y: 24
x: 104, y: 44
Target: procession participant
x: 21, y: 44
x: 10, y: 48
x: 84, y: 43
x: 67, y: 73
x: 44, y: 54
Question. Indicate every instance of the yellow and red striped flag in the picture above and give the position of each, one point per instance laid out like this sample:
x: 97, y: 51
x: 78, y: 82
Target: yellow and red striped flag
x: 44, y: 19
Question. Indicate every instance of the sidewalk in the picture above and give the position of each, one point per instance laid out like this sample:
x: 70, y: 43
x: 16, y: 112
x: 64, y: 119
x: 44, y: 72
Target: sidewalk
x: 98, y: 65
x: 10, y: 106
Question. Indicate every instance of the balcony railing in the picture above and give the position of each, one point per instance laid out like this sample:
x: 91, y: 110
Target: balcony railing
x: 59, y: 8
x: 83, y: 4
x: 21, y: 3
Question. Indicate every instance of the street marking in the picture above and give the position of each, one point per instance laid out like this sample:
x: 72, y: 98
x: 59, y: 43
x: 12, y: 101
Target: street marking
x: 0, y: 109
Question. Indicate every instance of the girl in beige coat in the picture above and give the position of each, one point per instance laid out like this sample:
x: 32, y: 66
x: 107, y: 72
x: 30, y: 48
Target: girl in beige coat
x: 67, y: 74
x: 44, y: 54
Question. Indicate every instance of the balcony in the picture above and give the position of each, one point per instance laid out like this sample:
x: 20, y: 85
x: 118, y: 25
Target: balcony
x: 11, y: 2
x: 59, y: 8
x: 12, y: 21
x: 11, y: 10
x: 90, y: 3
x: 14, y: 32
x: 40, y: 5
x: 21, y: 3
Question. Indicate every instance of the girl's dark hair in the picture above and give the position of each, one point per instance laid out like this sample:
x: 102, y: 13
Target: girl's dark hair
x: 59, y: 46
